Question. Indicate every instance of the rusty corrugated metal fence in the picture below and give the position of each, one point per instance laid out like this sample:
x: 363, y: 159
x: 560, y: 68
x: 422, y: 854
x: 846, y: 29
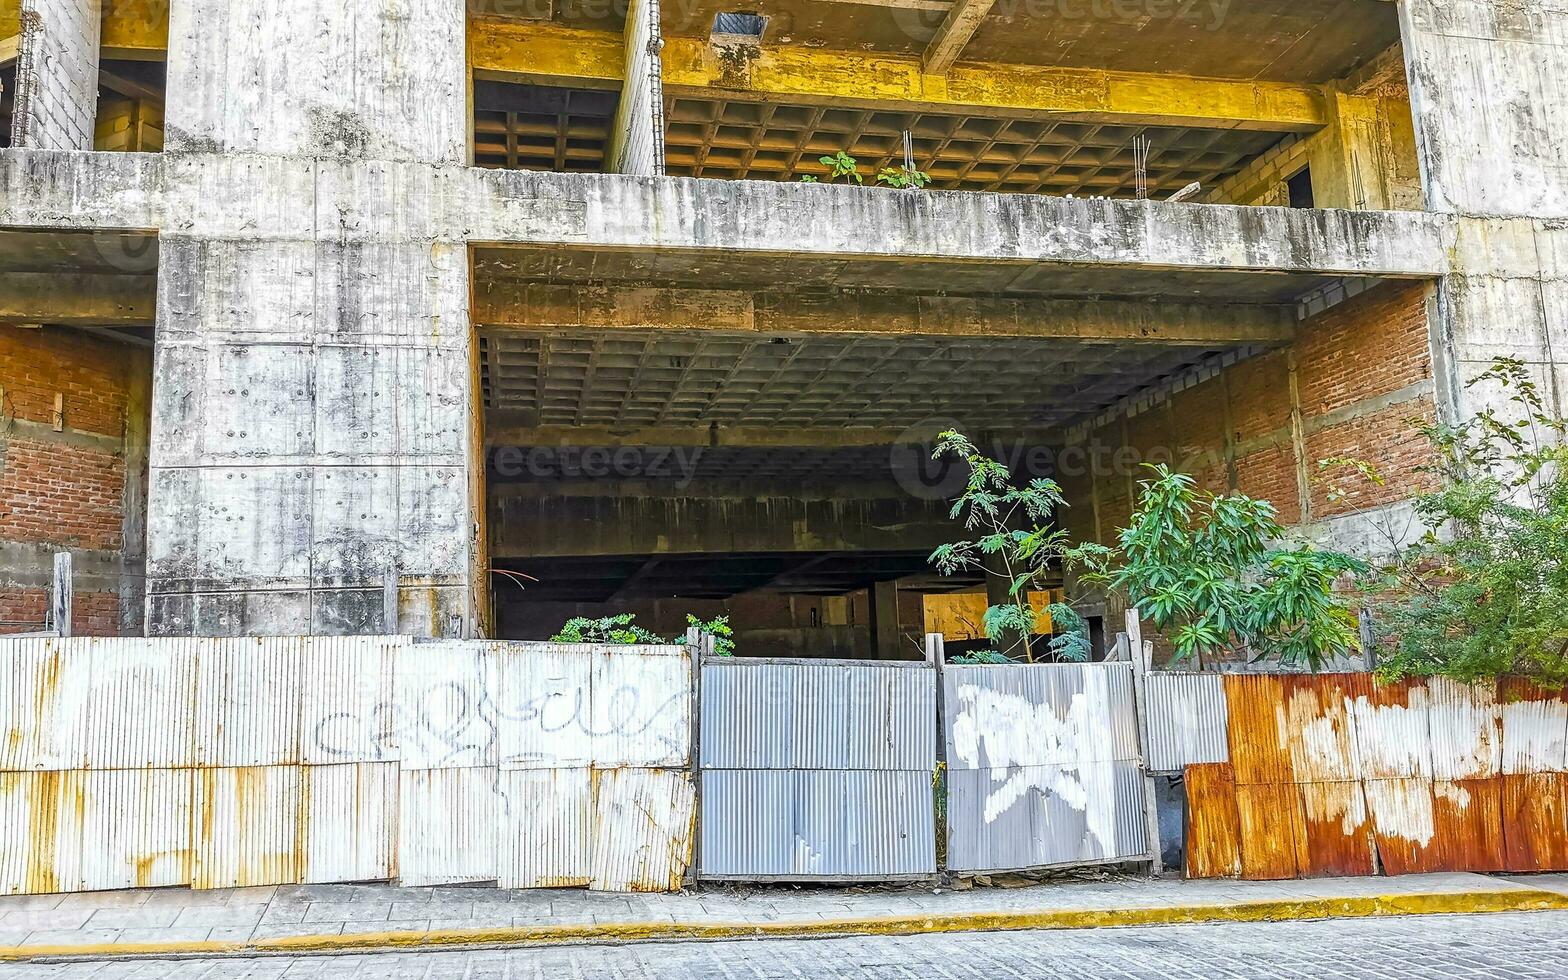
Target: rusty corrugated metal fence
x: 233, y: 762
x: 1336, y: 775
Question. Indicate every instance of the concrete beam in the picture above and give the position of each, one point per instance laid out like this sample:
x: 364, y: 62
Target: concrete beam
x: 958, y: 27
x: 523, y: 305
x: 547, y: 54
x: 503, y: 429
x: 77, y: 299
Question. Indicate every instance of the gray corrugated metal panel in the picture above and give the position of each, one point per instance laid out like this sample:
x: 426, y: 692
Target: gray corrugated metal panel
x: 347, y: 708
x: 1535, y: 735
x: 759, y: 714
x: 348, y: 819
x: 1039, y: 715
x: 136, y: 829
x: 1465, y: 730
x: 1044, y: 816
x: 816, y: 824
x: 642, y: 707
x: 247, y: 701
x: 544, y: 826
x: 246, y: 826
x: 642, y: 829
x: 446, y: 715
x: 446, y: 826
x: 142, y: 708
x: 1188, y: 715
x: 40, y: 831
x: 45, y: 690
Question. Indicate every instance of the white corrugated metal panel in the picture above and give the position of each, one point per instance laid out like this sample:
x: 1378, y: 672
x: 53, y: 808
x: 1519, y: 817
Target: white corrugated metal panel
x: 1040, y: 816
x: 446, y: 715
x: 822, y: 824
x: 1187, y: 720
x: 41, y: 832
x: 347, y: 712
x: 763, y: 714
x: 544, y: 705
x: 246, y: 826
x: 447, y: 826
x: 45, y: 687
x: 641, y: 701
x: 143, y: 703
x: 1535, y: 735
x: 1464, y: 729
x: 642, y: 829
x: 136, y: 829
x: 1393, y: 732
x: 1001, y: 717
x: 544, y: 821
x: 247, y: 702
x: 349, y: 815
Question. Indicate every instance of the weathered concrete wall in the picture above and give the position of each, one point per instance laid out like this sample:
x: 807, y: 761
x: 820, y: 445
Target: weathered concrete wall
x: 73, y: 458
x: 1489, y: 86
x: 312, y: 413
x: 57, y: 74
x: 637, y: 140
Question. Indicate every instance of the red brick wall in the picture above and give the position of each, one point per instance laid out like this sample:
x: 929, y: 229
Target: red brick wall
x: 63, y: 489
x: 1354, y: 368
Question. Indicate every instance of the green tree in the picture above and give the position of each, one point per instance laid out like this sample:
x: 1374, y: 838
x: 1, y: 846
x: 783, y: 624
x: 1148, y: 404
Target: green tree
x: 1210, y: 573
x: 1484, y: 591
x: 1013, y: 539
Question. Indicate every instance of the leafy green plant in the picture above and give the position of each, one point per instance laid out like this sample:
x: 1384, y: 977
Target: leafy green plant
x: 1208, y: 571
x: 1484, y: 591
x: 623, y: 629
x: 842, y: 166
x: 1013, y: 539
x: 719, y: 629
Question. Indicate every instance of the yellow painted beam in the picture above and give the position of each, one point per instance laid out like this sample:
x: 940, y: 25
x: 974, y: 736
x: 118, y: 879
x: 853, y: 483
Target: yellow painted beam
x: 550, y: 54
x: 10, y: 18
x: 136, y: 30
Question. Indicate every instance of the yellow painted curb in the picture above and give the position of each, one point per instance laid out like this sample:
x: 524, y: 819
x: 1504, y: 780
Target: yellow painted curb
x: 1521, y: 900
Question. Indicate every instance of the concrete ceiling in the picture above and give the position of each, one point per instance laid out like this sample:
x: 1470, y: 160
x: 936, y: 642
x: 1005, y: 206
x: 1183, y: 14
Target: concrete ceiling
x: 647, y: 378
x: 708, y: 269
x: 1276, y: 40
x: 97, y: 253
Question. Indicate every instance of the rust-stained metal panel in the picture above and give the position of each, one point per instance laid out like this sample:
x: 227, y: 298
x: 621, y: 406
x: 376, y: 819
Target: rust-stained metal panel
x: 1213, y: 843
x: 1317, y: 723
x: 1535, y: 727
x: 1188, y: 715
x: 136, y: 828
x: 1465, y: 729
x: 1257, y: 748
x: 1535, y: 822
x: 1337, y: 830
x: 41, y: 831
x: 45, y: 689
x: 445, y: 708
x: 544, y: 828
x: 347, y: 707
x: 142, y: 705
x: 348, y: 817
x: 642, y: 829
x: 1423, y: 825
x: 247, y: 702
x: 1272, y: 830
x: 246, y: 826
x: 447, y: 825
x: 1392, y: 731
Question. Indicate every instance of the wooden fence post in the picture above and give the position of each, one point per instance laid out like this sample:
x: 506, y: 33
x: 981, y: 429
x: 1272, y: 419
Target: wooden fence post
x: 936, y: 656
x: 60, y: 595
x: 1142, y: 659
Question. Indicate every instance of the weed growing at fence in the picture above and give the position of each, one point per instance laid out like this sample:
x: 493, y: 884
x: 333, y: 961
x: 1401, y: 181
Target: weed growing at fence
x: 623, y: 629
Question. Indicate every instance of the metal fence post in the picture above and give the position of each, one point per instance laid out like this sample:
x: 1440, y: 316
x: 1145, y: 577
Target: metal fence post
x: 936, y: 656
x: 1142, y: 658
x: 60, y: 595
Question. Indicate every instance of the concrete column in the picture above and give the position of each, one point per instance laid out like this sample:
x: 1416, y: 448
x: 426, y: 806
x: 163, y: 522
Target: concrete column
x: 57, y: 75
x: 1489, y: 89
x: 637, y: 141
x: 313, y: 416
x: 884, y: 621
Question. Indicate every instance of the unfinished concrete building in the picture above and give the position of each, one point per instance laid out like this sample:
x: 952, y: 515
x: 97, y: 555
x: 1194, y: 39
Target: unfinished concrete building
x: 460, y: 318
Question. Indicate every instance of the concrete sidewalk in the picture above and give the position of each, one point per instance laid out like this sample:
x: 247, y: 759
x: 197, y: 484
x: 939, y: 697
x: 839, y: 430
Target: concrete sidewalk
x: 317, y: 918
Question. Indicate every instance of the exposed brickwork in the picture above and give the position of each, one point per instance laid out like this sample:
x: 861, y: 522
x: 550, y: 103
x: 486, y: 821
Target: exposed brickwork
x: 1385, y: 439
x: 1270, y: 474
x: 92, y: 613
x: 63, y: 495
x: 57, y: 74
x: 35, y: 365
x: 1371, y: 345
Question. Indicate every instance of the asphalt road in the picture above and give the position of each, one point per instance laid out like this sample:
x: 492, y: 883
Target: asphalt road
x: 1515, y: 945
